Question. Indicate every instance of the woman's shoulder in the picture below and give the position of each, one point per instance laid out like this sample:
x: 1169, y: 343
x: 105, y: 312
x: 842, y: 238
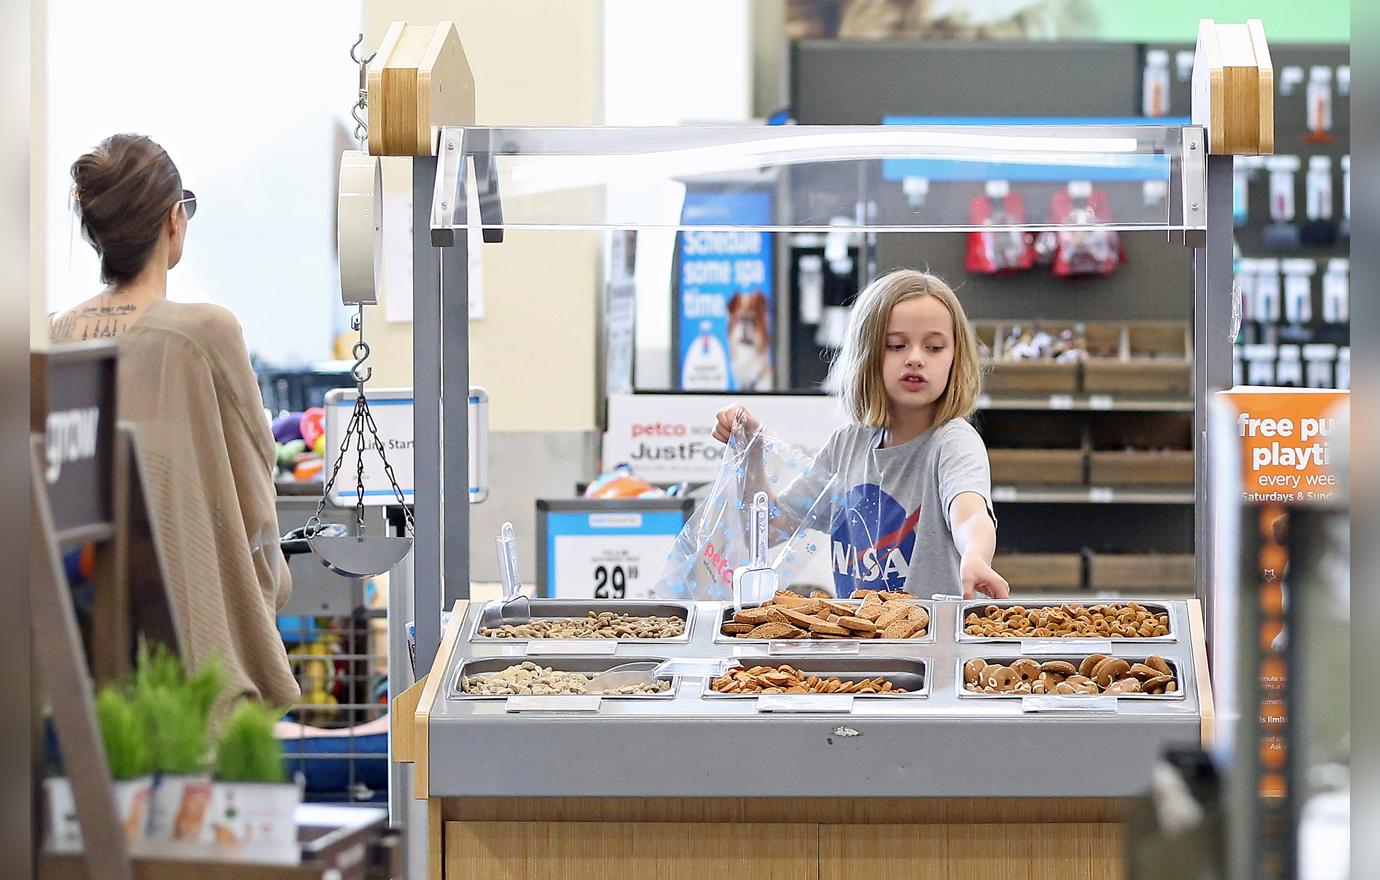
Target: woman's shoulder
x: 199, y: 318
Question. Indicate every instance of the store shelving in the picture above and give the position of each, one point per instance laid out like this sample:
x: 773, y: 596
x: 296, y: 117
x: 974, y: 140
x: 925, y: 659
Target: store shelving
x: 1090, y: 495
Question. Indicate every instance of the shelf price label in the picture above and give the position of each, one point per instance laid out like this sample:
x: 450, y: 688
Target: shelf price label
x: 1003, y: 493
x: 813, y: 646
x: 1048, y: 647
x: 1069, y: 705
x: 1061, y: 401
x: 1100, y: 495
x: 1100, y: 401
x: 805, y: 703
x: 536, y: 647
x: 553, y: 703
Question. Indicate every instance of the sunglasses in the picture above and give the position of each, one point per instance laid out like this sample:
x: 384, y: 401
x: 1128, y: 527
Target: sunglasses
x: 188, y: 203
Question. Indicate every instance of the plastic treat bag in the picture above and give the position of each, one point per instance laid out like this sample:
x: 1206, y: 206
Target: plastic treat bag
x: 823, y: 535
x: 1084, y: 248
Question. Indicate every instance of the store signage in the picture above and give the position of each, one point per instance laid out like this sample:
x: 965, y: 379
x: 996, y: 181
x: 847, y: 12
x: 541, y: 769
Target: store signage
x: 591, y: 549
x: 393, y: 415
x: 726, y: 322
x: 1286, y: 437
x: 75, y: 404
x: 392, y: 411
x: 668, y: 438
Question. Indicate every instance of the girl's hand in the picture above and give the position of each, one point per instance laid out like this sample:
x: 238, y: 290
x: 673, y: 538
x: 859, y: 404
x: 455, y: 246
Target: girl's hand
x: 725, y: 418
x: 978, y: 576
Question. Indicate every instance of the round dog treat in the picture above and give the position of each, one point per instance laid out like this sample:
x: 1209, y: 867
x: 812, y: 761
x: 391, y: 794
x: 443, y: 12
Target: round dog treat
x: 1143, y: 672
x: 1124, y: 686
x: 1064, y: 687
x: 1159, y: 663
x: 1157, y: 684
x: 1026, y: 668
x: 1090, y: 663
x: 972, y: 670
x: 999, y: 677
x: 1059, y: 667
x: 1110, y: 670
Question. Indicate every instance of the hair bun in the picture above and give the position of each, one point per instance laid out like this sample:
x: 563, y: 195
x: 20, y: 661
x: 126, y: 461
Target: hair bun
x: 123, y: 190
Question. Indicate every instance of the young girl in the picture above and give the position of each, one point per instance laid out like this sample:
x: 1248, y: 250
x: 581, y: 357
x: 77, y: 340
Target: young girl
x: 908, y: 377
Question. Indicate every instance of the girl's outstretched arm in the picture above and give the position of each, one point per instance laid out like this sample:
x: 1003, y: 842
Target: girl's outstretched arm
x: 975, y: 536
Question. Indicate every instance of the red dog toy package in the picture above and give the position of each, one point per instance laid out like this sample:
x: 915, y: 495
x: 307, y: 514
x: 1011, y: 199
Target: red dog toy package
x: 1083, y: 247
x: 998, y: 251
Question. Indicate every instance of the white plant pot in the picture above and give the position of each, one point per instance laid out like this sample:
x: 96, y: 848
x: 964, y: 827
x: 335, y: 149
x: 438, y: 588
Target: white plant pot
x: 131, y: 807
x: 261, y: 814
x: 179, y: 807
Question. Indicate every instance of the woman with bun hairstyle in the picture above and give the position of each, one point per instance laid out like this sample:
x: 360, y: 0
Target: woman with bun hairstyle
x: 186, y: 385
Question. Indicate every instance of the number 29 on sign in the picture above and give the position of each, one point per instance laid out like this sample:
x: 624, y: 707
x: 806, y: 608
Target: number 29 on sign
x: 611, y: 581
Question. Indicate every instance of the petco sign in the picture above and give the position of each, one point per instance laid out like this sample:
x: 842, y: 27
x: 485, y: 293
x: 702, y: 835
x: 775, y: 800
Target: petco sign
x: 667, y: 438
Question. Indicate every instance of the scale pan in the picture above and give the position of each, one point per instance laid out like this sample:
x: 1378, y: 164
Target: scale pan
x: 357, y: 557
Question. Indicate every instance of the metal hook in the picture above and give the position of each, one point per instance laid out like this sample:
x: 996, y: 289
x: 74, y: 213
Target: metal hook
x: 354, y: 57
x: 361, y: 353
x: 362, y: 99
x: 360, y: 349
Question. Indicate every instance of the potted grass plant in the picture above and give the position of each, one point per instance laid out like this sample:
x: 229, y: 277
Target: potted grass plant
x: 129, y: 757
x: 176, y: 710
x: 252, y: 800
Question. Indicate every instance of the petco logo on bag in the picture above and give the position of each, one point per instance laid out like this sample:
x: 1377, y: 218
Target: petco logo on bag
x: 873, y: 538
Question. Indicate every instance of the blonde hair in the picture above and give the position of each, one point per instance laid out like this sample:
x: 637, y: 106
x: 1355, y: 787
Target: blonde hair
x: 857, y: 371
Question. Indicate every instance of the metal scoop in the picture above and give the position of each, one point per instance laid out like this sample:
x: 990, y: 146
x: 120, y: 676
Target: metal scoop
x: 514, y: 608
x: 756, y: 582
x: 646, y: 672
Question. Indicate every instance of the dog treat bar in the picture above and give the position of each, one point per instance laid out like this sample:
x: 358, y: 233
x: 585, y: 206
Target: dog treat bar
x: 789, y: 680
x: 601, y: 625
x: 1095, y: 674
x: 881, y: 615
x: 1103, y: 621
x: 529, y: 678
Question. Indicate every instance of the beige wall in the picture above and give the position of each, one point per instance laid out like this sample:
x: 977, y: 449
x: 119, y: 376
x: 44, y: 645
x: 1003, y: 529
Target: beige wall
x: 535, y: 62
x: 38, y: 168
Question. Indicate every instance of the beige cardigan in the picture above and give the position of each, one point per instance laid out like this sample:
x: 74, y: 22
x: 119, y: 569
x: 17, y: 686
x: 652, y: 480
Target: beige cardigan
x: 207, y: 456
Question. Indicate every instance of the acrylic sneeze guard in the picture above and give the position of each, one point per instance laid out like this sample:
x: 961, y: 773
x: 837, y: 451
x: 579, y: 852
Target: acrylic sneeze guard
x: 898, y: 178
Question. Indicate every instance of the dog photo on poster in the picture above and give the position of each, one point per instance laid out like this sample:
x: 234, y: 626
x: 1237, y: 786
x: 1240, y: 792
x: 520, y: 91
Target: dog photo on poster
x: 725, y: 331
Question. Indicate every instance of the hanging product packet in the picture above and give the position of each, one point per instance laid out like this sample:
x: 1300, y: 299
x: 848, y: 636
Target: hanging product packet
x: 1084, y: 248
x: 821, y: 534
x: 998, y: 251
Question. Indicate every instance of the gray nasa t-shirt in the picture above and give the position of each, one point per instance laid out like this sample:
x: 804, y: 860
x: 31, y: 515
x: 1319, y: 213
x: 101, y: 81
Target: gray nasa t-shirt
x: 888, y: 511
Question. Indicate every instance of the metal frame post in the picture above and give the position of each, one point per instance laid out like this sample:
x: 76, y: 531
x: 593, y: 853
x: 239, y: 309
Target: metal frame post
x: 1212, y: 344
x: 427, y: 570
x: 440, y: 360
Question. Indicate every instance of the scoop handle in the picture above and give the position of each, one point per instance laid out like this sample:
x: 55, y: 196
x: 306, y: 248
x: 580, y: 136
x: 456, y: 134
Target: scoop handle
x: 506, y: 544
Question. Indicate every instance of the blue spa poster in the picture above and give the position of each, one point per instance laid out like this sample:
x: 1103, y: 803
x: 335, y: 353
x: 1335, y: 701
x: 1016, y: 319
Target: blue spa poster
x: 726, y: 321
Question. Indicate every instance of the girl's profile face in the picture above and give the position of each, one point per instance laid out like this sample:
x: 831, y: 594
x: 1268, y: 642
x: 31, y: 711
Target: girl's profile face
x: 917, y: 355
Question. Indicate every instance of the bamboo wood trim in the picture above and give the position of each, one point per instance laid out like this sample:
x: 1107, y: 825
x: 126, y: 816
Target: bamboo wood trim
x: 421, y: 717
x: 435, y: 841
x: 1207, y: 712
x: 824, y: 810
x: 1233, y: 88
x: 403, y: 722
x: 418, y: 81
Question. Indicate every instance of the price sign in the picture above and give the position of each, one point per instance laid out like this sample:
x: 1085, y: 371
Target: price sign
x: 605, y: 550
